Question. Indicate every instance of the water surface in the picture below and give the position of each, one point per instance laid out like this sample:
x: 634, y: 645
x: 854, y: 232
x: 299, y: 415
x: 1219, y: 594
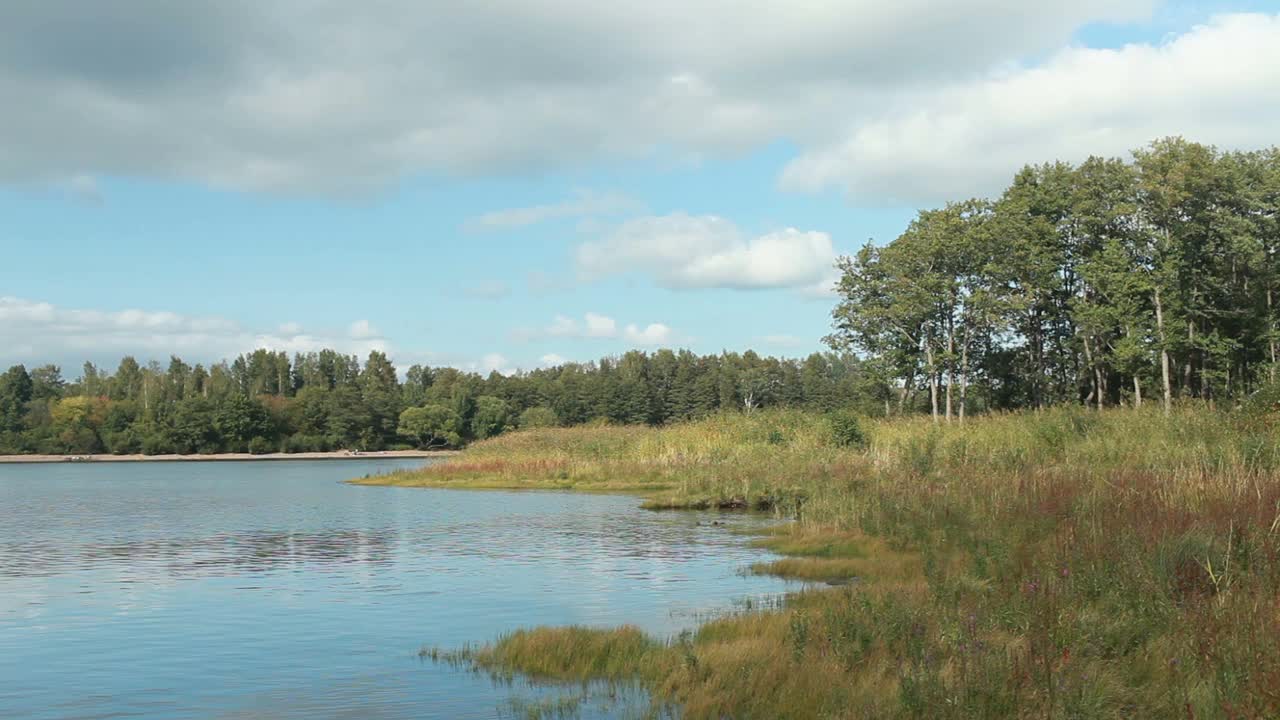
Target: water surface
x: 271, y: 589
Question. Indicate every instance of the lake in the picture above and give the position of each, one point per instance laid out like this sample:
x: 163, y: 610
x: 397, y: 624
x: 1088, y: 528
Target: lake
x: 272, y: 589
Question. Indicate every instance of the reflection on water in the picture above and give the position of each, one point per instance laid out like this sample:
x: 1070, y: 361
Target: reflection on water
x: 196, y: 590
x: 254, y: 551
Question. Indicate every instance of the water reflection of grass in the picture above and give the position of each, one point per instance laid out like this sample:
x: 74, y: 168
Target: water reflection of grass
x: 1060, y: 564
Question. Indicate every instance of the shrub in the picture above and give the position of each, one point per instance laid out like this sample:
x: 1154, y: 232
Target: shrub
x: 538, y: 417
x: 846, y: 429
x: 260, y: 445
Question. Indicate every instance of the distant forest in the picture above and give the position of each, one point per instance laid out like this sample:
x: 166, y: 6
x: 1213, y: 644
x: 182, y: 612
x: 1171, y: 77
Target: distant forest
x: 267, y: 402
x: 1112, y: 282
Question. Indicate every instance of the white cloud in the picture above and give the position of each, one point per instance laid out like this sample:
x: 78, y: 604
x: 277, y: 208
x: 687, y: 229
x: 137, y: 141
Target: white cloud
x: 35, y: 333
x: 597, y: 327
x: 583, y: 204
x: 1215, y: 84
x: 682, y: 251
x: 362, y: 330
x: 600, y: 326
x: 495, y: 362
x: 39, y: 332
x: 335, y: 96
x: 563, y: 326
x: 652, y: 334
x: 593, y: 325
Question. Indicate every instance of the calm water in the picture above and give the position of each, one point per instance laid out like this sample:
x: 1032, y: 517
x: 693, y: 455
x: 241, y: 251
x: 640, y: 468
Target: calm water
x: 271, y: 589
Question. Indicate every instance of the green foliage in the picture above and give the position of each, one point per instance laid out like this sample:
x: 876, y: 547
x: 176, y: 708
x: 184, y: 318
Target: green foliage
x: 239, y: 420
x: 1109, y: 283
x: 846, y: 429
x: 490, y: 417
x: 431, y: 426
x: 327, y: 401
x: 15, y: 392
x: 537, y: 417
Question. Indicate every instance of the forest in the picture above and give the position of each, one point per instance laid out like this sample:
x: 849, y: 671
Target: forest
x: 1109, y: 283
x: 265, y: 401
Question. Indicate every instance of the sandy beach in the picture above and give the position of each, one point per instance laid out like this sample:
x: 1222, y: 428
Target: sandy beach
x: 336, y: 455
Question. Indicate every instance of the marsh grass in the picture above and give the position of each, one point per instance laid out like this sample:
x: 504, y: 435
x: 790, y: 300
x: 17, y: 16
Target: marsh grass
x: 1066, y: 563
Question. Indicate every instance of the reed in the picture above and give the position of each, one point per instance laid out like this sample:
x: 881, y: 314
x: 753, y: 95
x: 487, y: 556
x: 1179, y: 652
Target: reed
x: 1066, y: 563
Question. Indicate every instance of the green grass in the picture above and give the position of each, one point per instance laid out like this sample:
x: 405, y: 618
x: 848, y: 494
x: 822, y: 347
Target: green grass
x: 1062, y: 564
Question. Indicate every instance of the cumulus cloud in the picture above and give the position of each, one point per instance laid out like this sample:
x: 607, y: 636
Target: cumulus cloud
x: 583, y: 204
x: 332, y: 96
x: 39, y: 332
x: 1215, y: 84
x: 681, y: 251
x: 362, y: 330
x: 651, y: 334
x: 494, y: 362
x: 598, y: 327
x: 34, y: 333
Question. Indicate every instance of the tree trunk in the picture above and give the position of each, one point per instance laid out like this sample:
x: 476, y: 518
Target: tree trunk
x: 906, y: 390
x: 1271, y: 321
x: 1093, y: 370
x: 1037, y: 357
x: 1191, y: 354
x: 933, y: 380
x: 964, y: 372
x: 1164, y: 355
x: 951, y: 365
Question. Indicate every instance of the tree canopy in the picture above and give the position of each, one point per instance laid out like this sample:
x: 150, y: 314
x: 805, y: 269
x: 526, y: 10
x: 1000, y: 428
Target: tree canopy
x: 1110, y: 282
x: 267, y: 401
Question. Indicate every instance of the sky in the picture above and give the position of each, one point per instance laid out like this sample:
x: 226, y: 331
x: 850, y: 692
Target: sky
x: 519, y: 183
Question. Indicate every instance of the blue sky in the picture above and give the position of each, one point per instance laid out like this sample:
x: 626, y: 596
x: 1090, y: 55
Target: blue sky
x: 183, y: 190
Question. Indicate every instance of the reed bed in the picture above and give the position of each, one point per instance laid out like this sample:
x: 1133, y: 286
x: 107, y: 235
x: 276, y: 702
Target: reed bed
x: 1062, y: 564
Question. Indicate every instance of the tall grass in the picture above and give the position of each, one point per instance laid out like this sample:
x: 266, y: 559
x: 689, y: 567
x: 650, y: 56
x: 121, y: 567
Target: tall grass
x: 1067, y: 563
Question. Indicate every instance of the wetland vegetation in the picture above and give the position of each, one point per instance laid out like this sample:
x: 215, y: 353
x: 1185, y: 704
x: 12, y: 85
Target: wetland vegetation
x: 1065, y: 563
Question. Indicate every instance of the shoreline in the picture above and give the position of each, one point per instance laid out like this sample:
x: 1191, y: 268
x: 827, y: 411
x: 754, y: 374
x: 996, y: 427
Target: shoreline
x: 228, y: 457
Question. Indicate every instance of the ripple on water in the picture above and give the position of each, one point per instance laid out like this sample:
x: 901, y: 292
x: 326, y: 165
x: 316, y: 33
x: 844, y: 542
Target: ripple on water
x: 235, y: 590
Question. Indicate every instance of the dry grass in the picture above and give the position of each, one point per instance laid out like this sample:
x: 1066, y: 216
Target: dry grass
x: 1061, y: 564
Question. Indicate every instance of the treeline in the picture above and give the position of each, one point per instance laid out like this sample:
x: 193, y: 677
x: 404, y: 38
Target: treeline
x: 266, y: 401
x: 1111, y: 282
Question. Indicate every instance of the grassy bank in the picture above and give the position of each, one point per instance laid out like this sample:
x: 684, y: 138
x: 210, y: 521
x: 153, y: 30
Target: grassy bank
x: 1062, y: 564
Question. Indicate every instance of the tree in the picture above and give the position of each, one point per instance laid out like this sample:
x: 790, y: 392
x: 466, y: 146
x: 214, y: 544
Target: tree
x: 15, y: 392
x: 238, y: 420
x: 47, y: 383
x: 75, y: 421
x: 197, y: 426
x: 490, y: 418
x: 537, y: 417
x: 380, y: 394
x: 1078, y: 282
x: 431, y: 426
